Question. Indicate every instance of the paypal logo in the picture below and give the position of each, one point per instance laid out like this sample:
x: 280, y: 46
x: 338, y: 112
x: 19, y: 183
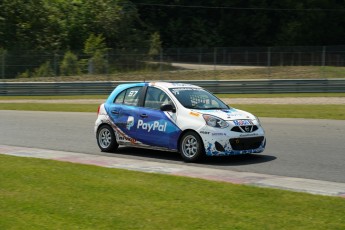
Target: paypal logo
x: 156, y: 125
x: 130, y: 122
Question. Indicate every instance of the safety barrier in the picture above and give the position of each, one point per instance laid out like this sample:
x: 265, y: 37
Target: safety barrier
x: 226, y: 86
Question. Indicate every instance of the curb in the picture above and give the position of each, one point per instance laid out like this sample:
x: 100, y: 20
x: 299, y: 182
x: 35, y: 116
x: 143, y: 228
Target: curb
x: 254, y: 179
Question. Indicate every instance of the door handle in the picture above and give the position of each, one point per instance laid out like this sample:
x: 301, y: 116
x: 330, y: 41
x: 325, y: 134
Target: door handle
x: 115, y: 112
x: 143, y: 115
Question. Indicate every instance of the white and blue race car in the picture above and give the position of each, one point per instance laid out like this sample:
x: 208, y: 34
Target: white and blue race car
x: 176, y: 117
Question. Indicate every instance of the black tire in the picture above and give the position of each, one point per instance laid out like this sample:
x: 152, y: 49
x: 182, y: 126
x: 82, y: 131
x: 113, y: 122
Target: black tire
x: 191, y: 147
x: 106, y: 139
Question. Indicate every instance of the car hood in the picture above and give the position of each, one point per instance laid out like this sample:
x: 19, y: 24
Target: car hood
x: 228, y: 114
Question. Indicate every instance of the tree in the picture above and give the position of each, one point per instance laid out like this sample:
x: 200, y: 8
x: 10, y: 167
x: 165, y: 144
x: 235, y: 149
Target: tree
x: 44, y: 70
x: 117, y: 20
x: 69, y: 65
x: 29, y: 26
x: 155, y: 45
x: 96, y: 48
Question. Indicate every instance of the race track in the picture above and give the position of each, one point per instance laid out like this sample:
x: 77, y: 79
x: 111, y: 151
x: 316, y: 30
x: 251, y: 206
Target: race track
x: 303, y: 148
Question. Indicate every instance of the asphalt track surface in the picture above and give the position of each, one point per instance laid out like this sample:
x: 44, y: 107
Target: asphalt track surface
x: 302, y: 148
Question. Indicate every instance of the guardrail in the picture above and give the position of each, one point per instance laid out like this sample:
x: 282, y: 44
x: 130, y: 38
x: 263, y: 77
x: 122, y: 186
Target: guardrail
x: 227, y: 86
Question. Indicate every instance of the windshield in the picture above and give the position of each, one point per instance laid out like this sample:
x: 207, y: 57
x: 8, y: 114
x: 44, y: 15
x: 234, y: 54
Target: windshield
x: 197, y: 98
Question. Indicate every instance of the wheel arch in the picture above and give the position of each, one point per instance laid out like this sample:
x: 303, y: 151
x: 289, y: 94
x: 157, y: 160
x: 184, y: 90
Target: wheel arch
x: 188, y: 130
x: 110, y: 139
x: 109, y: 125
x: 104, y: 124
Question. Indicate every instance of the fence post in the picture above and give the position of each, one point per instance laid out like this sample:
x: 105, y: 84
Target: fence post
x: 178, y: 55
x: 269, y: 61
x: 56, y: 64
x: 215, y: 58
x: 200, y: 57
x: 107, y: 63
x: 224, y: 57
x: 160, y: 61
x: 323, y: 64
x: 323, y: 56
x: 3, y: 53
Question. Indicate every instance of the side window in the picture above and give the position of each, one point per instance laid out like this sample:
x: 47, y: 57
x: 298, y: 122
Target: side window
x: 129, y: 96
x: 132, y: 96
x: 119, y: 99
x: 155, y: 98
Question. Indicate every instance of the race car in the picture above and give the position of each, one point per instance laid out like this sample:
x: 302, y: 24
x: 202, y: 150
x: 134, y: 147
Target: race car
x: 176, y: 117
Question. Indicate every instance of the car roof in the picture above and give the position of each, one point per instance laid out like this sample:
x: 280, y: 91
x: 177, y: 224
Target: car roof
x: 164, y: 85
x: 172, y: 85
x: 159, y: 84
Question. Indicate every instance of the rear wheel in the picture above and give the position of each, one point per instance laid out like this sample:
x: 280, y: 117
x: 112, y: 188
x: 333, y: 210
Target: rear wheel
x: 191, y: 147
x: 106, y: 139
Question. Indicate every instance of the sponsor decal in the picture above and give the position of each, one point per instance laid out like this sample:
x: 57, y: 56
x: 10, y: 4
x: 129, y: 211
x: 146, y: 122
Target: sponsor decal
x: 177, y: 91
x: 227, y: 111
x: 132, y: 93
x: 156, y: 125
x: 234, y: 115
x: 218, y: 134
x: 194, y: 114
x: 242, y: 122
x: 124, y: 138
x: 249, y: 135
x: 120, y: 135
x: 181, y: 84
x: 130, y: 122
x: 204, y: 132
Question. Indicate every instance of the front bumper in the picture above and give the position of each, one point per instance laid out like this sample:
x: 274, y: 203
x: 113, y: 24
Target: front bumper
x: 223, y: 142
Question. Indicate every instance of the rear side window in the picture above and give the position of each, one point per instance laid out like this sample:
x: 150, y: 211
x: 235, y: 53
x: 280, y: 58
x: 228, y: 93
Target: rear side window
x: 119, y: 99
x: 129, y: 96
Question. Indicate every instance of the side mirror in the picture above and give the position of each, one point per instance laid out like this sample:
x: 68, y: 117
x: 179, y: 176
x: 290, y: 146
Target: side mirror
x: 168, y: 108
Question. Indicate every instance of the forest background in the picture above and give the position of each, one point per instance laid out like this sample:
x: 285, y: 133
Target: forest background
x: 96, y: 27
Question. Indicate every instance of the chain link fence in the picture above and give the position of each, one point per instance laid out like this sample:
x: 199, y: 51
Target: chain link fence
x: 269, y: 62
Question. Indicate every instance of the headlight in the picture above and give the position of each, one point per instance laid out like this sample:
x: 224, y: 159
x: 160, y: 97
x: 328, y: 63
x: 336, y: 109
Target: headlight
x: 215, y: 121
x: 256, y: 118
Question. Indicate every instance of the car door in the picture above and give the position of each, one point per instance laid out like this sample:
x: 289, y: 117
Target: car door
x: 156, y: 127
x: 124, y: 113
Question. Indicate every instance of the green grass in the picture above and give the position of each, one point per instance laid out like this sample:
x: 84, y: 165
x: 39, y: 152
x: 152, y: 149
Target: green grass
x: 264, y: 110
x: 280, y: 95
x: 218, y: 95
x: 284, y: 111
x: 276, y: 72
x: 45, y: 194
x: 71, y: 97
x: 336, y: 112
x: 50, y: 107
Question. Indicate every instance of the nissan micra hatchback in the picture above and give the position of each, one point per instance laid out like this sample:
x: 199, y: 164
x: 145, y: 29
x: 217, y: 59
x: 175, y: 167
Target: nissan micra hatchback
x: 176, y: 117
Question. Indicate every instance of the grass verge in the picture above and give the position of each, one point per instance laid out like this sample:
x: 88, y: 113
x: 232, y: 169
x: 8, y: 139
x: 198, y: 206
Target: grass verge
x: 67, y: 97
x: 45, y: 194
x: 276, y: 72
x: 336, y: 112
x: 50, y: 107
x: 280, y: 95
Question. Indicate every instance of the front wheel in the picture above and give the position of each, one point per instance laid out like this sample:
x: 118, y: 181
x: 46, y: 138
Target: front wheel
x: 106, y: 139
x: 191, y: 147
